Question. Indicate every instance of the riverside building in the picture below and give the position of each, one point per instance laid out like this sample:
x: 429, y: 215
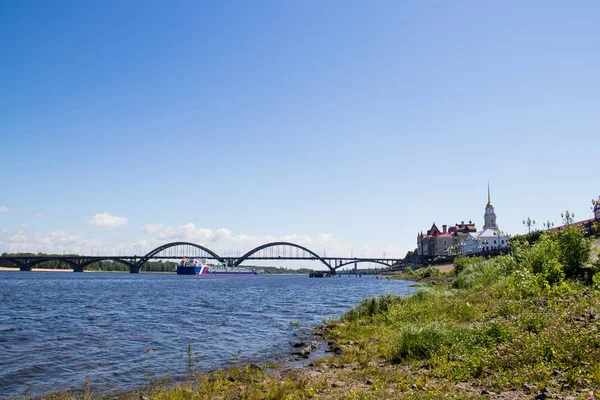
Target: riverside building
x: 490, y: 238
x: 446, y: 242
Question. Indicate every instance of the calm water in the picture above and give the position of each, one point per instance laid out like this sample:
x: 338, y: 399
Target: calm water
x: 59, y: 330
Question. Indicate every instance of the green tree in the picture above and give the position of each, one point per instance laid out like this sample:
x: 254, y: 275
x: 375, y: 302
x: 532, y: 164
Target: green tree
x: 545, y: 250
x: 575, y: 249
x: 410, y: 254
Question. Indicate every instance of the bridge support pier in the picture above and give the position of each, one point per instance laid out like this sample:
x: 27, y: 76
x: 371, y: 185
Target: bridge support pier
x: 25, y: 268
x: 78, y: 269
x: 135, y: 269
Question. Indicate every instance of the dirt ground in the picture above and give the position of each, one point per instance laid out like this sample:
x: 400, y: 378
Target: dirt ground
x: 444, y: 267
x: 36, y: 269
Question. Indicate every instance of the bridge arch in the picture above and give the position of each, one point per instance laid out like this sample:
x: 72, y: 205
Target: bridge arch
x: 363, y: 261
x: 16, y: 263
x: 113, y: 259
x: 76, y: 266
x: 71, y: 263
x: 273, y: 244
x: 174, y: 244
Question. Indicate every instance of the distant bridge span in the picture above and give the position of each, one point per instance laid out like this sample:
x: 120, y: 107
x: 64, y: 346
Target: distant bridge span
x: 362, y: 261
x: 178, y: 250
x: 164, y: 247
x: 274, y: 244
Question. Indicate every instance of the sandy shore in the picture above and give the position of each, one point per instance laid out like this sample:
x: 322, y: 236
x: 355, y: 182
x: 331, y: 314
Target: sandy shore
x: 37, y: 269
x: 444, y: 267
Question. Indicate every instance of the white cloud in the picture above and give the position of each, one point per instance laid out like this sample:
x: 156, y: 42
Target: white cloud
x: 106, y: 221
x: 3, y: 210
x: 152, y: 228
x: 222, y: 241
x: 22, y: 240
x: 224, y: 234
x: 18, y: 238
x: 61, y: 237
x: 143, y: 245
x: 185, y: 233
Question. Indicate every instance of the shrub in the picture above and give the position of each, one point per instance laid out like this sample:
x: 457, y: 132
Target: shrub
x: 553, y: 273
x: 485, y: 272
x: 554, y: 256
x: 596, y: 281
x: 461, y: 263
x: 522, y: 283
x: 544, y: 251
x: 429, y: 272
x: 530, y: 238
x: 575, y: 249
x: 519, y: 248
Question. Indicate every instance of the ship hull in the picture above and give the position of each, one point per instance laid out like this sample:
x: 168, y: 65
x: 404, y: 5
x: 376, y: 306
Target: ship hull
x: 231, y: 273
x: 205, y: 271
x: 188, y: 270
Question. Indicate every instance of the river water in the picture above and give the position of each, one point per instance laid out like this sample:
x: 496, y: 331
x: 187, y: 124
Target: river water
x: 119, y: 331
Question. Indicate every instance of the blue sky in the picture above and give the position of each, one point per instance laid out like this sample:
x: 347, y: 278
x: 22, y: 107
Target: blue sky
x: 343, y: 125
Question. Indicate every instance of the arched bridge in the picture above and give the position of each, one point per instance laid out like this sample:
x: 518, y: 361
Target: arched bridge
x: 179, y: 250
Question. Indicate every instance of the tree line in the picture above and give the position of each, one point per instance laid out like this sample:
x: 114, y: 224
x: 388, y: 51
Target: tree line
x: 113, y: 266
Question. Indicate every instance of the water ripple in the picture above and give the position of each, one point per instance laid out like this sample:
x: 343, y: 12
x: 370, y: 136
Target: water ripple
x: 122, y: 330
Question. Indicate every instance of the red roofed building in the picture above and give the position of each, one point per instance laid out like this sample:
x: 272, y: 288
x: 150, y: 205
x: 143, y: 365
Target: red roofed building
x: 444, y: 242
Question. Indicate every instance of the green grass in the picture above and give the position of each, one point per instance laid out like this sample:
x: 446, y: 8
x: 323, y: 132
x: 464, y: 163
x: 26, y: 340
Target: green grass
x: 414, y: 341
x: 491, y: 336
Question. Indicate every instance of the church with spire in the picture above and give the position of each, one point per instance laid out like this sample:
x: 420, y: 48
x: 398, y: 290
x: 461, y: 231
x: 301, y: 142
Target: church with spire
x: 489, y: 218
x: 490, y: 238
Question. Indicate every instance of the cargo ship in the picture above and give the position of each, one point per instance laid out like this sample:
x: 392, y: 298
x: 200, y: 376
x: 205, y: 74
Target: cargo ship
x: 195, y: 267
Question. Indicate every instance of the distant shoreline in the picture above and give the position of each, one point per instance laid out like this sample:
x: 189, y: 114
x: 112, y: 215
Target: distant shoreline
x: 35, y: 269
x: 9, y: 269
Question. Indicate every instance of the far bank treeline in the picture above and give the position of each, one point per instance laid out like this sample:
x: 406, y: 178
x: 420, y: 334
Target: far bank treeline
x: 149, y: 266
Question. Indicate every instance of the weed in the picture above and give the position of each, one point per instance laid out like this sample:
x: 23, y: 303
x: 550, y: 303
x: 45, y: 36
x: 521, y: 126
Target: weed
x: 418, y: 342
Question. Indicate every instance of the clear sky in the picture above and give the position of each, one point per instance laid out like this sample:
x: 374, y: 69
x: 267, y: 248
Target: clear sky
x: 341, y: 125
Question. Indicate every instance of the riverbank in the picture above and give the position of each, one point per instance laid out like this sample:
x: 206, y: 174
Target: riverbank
x: 495, y: 353
x: 440, y: 343
x: 512, y: 327
x: 8, y: 269
x: 35, y: 270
